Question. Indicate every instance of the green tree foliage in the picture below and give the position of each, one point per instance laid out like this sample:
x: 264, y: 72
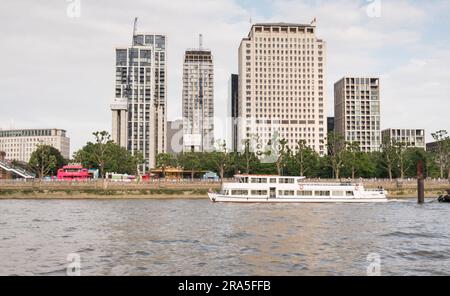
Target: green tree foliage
x: 389, y: 156
x: 106, y: 156
x: 46, y: 160
x: 336, y: 151
x: 190, y: 161
x: 400, y: 149
x: 353, y: 158
x: 442, y: 154
x: 282, y: 155
x: 247, y: 159
x: 344, y: 160
x: 221, y: 158
x: 303, y: 161
x: 164, y: 160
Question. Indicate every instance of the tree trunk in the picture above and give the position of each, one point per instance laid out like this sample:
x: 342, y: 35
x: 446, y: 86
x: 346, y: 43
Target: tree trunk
x: 390, y: 173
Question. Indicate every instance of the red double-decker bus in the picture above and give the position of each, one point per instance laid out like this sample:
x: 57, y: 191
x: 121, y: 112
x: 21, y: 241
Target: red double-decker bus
x: 74, y: 172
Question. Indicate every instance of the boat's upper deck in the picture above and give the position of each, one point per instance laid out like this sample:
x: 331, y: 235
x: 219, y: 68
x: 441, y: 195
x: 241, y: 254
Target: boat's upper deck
x: 267, y: 179
x: 262, y: 181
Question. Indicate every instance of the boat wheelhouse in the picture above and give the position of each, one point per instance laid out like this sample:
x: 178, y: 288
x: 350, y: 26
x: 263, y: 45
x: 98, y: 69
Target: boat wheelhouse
x: 274, y: 189
x: 74, y: 172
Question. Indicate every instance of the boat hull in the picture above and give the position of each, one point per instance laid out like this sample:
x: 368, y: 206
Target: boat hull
x: 222, y: 198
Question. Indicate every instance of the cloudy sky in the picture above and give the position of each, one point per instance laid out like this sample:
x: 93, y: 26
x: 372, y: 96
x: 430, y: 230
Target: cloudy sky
x: 58, y: 61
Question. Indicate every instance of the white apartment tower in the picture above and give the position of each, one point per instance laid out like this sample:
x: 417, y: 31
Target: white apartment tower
x: 198, y: 100
x: 139, y: 107
x: 282, y: 85
x: 357, y: 111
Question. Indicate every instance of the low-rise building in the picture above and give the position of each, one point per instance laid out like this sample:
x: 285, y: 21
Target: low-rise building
x: 20, y: 144
x: 411, y: 137
x: 433, y: 147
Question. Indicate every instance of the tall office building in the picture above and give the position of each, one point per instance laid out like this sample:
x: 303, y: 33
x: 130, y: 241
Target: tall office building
x: 20, y: 144
x: 282, y: 85
x: 233, y: 89
x: 139, y: 107
x: 198, y: 100
x: 357, y: 111
x: 411, y: 137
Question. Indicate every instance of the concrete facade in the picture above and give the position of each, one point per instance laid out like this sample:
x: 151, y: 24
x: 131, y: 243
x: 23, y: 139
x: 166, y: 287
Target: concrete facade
x: 198, y: 101
x: 141, y: 84
x: 20, y: 144
x: 357, y: 111
x: 411, y: 137
x: 119, y: 110
x: 282, y: 85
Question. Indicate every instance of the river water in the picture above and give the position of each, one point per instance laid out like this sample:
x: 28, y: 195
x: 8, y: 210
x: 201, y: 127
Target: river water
x: 196, y: 237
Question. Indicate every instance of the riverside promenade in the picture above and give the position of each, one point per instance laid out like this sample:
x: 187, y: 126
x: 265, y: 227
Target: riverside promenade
x: 188, y: 189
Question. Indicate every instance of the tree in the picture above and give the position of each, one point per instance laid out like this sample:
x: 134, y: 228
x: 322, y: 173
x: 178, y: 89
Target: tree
x: 400, y: 149
x: 46, y: 160
x: 99, y: 150
x: 389, y: 155
x: 221, y: 158
x: 163, y: 160
x: 282, y: 153
x: 353, y: 156
x: 107, y: 156
x: 412, y: 158
x: 336, y: 151
x: 443, y: 151
x: 139, y: 161
x: 248, y: 156
x: 304, y: 157
x: 189, y: 161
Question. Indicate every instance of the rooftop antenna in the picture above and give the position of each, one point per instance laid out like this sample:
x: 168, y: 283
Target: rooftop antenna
x: 200, y: 41
x: 130, y: 56
x: 134, y: 31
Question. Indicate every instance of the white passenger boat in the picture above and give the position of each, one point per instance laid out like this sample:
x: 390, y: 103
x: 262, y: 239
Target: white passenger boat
x: 277, y: 189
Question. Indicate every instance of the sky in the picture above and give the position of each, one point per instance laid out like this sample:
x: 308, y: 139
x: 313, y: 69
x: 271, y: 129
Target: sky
x: 58, y: 56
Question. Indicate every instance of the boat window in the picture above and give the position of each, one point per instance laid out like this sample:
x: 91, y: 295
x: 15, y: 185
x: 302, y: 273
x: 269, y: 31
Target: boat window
x: 349, y: 193
x: 239, y: 192
x: 287, y: 180
x: 287, y: 192
x: 304, y: 193
x: 322, y: 193
x: 338, y: 193
x: 259, y: 180
x: 273, y: 180
x: 259, y: 192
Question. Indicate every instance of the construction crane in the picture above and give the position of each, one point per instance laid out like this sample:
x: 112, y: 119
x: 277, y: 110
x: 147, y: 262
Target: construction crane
x: 130, y: 64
